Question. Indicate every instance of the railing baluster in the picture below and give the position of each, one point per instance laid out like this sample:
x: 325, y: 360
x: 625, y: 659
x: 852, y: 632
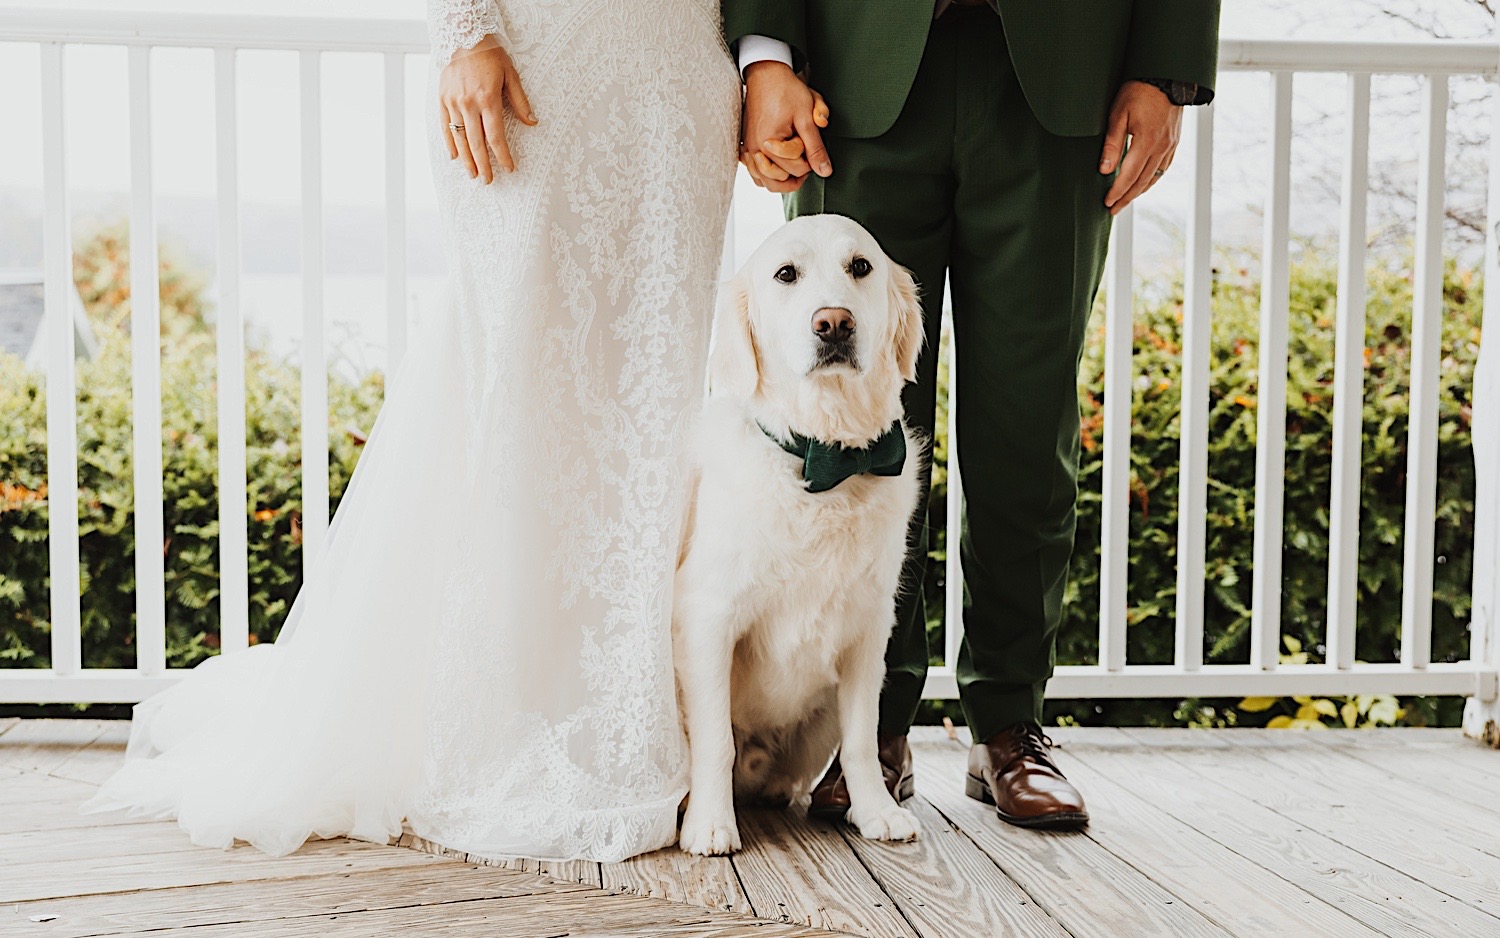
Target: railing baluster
x: 145, y: 370
x: 1482, y: 709
x: 1197, y: 329
x: 953, y: 573
x: 59, y: 299
x: 1270, y: 429
x: 1119, y: 338
x: 1426, y: 352
x: 234, y: 563
x: 314, y: 353
x: 1349, y: 383
x: 395, y: 209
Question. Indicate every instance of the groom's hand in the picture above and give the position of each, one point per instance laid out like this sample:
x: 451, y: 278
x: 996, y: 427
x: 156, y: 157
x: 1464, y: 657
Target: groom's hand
x: 1153, y: 124
x: 781, y: 140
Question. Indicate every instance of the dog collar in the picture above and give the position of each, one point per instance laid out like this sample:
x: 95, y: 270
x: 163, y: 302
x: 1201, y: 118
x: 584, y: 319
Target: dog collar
x: 825, y: 465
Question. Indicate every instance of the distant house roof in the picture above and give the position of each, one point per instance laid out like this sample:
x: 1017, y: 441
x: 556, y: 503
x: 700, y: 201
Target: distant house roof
x: 21, y: 318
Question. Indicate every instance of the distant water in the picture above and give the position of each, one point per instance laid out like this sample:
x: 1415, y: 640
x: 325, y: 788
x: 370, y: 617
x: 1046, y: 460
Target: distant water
x: 354, y: 305
x: 354, y: 311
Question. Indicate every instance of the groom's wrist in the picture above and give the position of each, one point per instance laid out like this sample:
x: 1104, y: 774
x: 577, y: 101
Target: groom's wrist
x: 753, y: 49
x: 768, y: 70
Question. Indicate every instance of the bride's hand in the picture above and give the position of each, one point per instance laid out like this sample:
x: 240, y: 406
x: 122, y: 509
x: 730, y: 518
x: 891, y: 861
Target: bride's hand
x: 474, y: 88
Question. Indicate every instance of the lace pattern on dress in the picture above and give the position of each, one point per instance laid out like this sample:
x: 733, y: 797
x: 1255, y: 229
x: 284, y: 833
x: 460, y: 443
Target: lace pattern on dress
x: 587, y: 284
x: 460, y: 24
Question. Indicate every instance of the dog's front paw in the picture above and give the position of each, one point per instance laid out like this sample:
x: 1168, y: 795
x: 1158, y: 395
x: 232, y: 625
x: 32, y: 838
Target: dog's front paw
x: 708, y: 836
x: 886, y: 822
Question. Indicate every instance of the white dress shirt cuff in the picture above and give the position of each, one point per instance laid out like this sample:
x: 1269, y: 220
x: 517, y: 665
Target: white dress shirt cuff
x: 763, y: 49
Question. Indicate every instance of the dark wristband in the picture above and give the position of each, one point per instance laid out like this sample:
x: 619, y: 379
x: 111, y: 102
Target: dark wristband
x: 1180, y: 93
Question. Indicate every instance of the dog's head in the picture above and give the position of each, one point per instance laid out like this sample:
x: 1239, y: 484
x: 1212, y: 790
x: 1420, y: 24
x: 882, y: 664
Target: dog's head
x: 819, y: 304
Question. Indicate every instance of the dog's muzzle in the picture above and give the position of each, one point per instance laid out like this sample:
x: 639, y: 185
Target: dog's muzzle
x: 834, y: 327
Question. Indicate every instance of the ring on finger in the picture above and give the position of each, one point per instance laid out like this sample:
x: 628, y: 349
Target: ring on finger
x: 455, y: 127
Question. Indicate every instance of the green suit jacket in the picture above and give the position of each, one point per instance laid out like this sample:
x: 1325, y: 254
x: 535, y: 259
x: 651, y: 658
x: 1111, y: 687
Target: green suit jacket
x: 1069, y: 55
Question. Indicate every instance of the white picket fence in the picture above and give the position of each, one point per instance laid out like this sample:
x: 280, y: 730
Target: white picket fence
x: 1114, y: 676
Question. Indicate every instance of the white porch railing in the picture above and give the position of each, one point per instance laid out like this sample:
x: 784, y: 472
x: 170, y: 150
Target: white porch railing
x: 1114, y: 676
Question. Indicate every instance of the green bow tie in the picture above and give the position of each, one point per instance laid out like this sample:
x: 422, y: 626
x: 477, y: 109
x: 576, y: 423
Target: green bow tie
x: 825, y: 465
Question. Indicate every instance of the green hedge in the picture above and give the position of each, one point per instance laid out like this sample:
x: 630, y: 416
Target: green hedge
x: 1231, y: 503
x: 190, y: 446
x: 190, y: 481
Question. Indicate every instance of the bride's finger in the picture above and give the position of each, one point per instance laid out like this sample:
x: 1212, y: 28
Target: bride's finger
x: 784, y: 149
x: 458, y: 136
x: 769, y: 169
x: 787, y: 154
x: 494, y: 133
x: 516, y: 95
x: 749, y: 165
x: 447, y: 133
x: 474, y: 133
x: 820, y: 110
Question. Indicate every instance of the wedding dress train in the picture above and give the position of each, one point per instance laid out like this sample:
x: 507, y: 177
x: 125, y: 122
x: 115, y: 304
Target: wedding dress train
x: 481, y: 650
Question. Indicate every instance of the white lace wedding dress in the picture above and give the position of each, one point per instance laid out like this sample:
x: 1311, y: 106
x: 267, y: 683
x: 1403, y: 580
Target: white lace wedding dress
x: 482, y: 648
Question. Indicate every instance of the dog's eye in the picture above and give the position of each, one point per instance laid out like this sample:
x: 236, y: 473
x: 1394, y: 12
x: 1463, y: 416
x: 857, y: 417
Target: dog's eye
x: 787, y: 274
x: 859, y: 268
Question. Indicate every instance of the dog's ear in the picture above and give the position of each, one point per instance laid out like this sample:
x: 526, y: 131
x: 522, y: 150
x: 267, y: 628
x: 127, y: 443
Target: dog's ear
x: 906, y: 307
x: 734, y: 363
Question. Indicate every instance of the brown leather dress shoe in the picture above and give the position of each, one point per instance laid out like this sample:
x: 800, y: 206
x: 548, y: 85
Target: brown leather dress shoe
x: 830, y: 798
x: 1013, y: 770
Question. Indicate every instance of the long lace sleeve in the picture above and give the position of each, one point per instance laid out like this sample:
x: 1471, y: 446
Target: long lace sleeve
x: 459, y: 24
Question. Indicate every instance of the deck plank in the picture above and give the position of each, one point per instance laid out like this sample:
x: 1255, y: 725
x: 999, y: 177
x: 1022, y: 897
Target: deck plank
x: 1445, y: 781
x: 944, y: 885
x: 43, y: 802
x: 43, y: 745
x: 22, y: 848
x: 585, y: 872
x: 1195, y: 833
x: 1451, y: 746
x: 98, y: 760
x: 1085, y: 887
x: 1378, y: 887
x: 199, y: 867
x: 793, y: 870
x: 1404, y: 738
x: 1447, y: 761
x: 1445, y: 846
x: 330, y: 894
x: 36, y: 787
x: 61, y: 816
x: 581, y: 914
x: 670, y: 874
x: 1240, y: 895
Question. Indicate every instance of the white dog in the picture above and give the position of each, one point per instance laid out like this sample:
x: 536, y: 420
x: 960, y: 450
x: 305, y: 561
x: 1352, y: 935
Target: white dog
x: 789, y: 568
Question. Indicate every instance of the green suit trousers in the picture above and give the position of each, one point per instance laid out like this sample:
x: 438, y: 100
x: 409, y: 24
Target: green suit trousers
x: 967, y: 186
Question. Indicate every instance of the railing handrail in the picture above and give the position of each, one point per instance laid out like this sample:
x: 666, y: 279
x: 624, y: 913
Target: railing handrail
x: 1382, y: 57
x: 331, y: 34
x: 214, y: 30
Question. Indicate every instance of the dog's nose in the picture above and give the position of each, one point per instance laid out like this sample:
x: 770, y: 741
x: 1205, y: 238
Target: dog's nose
x: 833, y: 324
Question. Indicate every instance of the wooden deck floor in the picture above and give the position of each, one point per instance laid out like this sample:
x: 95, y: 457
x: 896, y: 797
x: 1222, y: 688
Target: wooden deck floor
x: 1195, y: 834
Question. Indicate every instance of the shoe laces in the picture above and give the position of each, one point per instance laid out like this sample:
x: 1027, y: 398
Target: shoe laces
x: 1034, y: 744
